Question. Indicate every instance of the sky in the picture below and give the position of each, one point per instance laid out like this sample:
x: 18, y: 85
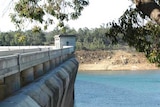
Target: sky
x: 97, y: 13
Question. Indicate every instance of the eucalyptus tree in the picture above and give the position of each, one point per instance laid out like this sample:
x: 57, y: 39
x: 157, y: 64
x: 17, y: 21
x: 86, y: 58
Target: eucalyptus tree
x: 136, y: 28
x: 47, y: 12
x: 150, y: 8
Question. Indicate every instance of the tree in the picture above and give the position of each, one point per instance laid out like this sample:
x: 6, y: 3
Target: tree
x: 150, y: 8
x: 145, y: 37
x: 47, y: 11
x: 20, y: 38
x: 65, y: 10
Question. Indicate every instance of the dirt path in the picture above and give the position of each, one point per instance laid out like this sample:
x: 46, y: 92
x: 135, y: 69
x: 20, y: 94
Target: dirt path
x: 113, y: 60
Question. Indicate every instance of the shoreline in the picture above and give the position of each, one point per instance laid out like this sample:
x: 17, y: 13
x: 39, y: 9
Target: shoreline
x: 105, y: 68
x: 118, y: 72
x: 114, y: 60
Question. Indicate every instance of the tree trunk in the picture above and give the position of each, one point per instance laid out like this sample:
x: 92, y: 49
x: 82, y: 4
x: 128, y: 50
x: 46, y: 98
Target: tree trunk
x: 149, y: 8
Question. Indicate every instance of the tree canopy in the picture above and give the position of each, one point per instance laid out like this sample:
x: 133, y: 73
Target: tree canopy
x: 150, y: 8
x: 138, y: 30
x: 47, y: 11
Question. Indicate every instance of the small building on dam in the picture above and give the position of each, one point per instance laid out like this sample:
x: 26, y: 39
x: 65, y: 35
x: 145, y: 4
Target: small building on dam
x: 64, y: 40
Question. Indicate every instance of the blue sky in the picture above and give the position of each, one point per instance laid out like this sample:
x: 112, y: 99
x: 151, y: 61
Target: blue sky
x: 94, y: 15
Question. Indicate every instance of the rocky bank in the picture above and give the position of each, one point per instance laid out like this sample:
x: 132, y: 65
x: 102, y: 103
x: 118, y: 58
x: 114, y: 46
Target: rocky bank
x: 113, y: 60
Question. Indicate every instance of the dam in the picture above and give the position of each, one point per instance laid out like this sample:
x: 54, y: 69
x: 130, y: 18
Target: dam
x: 39, y: 77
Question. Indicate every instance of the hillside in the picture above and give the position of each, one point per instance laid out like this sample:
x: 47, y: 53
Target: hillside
x: 113, y: 60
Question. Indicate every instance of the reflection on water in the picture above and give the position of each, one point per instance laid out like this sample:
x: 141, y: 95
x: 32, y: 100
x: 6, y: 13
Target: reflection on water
x: 118, y: 89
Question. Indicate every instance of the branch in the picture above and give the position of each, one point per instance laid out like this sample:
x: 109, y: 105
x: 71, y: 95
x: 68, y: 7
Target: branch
x: 149, y: 8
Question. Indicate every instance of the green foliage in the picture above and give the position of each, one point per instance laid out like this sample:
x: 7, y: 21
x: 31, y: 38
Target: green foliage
x: 132, y: 29
x: 36, y: 29
x: 47, y: 11
x: 89, y: 39
x: 19, y: 38
x: 31, y: 37
x: 93, y: 39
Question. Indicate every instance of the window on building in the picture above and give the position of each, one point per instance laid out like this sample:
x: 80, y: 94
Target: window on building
x: 67, y: 43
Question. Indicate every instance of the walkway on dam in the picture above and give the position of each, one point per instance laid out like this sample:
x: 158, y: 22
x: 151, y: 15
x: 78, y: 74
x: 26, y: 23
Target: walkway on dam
x: 11, y: 50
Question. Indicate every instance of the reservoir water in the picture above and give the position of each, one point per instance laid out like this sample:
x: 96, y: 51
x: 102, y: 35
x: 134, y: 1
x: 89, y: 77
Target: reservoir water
x: 118, y: 89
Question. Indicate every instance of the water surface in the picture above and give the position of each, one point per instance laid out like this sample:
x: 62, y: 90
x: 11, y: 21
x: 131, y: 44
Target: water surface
x: 118, y: 89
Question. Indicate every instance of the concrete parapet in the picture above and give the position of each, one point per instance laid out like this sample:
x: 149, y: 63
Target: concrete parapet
x: 55, y: 53
x: 8, y: 65
x: 16, y: 63
x: 32, y: 59
x: 54, y: 89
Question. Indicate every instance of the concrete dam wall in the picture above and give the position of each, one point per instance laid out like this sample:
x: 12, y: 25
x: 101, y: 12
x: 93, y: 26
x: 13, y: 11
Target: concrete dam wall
x: 40, y: 78
x: 53, y: 89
